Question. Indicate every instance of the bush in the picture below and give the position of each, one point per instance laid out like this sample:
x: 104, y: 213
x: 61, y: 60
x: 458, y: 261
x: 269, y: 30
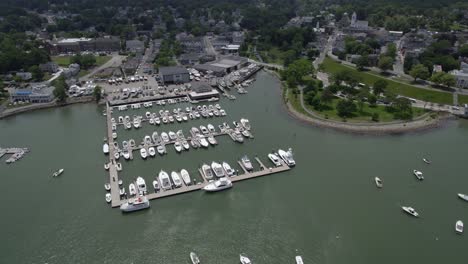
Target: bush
x: 375, y: 117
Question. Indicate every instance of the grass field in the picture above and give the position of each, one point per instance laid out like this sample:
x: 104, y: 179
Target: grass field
x: 65, y: 60
x: 369, y: 78
x: 462, y: 99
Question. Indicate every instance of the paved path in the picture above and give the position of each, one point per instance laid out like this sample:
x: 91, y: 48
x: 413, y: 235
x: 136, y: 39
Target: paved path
x: 115, y: 61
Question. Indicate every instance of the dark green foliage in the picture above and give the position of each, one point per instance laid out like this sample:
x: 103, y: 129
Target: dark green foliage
x: 346, y: 108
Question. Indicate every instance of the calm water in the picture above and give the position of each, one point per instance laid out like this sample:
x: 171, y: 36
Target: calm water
x: 327, y: 209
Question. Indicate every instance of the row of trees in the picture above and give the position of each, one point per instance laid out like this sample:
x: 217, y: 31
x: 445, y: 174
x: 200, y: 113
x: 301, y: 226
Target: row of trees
x: 85, y: 61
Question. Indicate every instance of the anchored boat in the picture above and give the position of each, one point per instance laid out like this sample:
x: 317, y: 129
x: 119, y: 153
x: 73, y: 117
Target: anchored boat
x: 219, y: 185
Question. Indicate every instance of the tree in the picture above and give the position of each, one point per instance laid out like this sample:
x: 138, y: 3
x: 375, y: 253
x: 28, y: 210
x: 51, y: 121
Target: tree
x: 375, y: 117
x: 448, y: 80
x: 326, y: 97
x: 385, y: 63
x: 97, y: 93
x: 36, y: 72
x: 402, y: 108
x: 362, y: 62
x: 380, y: 86
x: 419, y: 71
x: 296, y: 70
x: 372, y: 100
x: 60, y: 91
x: 437, y: 78
x: 345, y: 108
x: 463, y: 50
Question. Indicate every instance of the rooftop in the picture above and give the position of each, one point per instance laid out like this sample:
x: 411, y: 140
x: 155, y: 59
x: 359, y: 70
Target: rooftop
x: 172, y: 70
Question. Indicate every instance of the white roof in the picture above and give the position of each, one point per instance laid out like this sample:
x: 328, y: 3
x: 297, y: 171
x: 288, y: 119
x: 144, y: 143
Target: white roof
x: 71, y: 40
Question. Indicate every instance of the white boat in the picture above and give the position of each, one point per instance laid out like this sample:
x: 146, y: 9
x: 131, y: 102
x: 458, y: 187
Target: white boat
x: 58, y: 173
x: 107, y: 186
x: 122, y: 191
x: 227, y: 168
x: 176, y: 179
x: 171, y: 119
x: 126, y: 154
x: 245, y: 260
x: 152, y: 151
x: 114, y: 135
x: 246, y: 162
x: 155, y: 185
x: 207, y: 172
x: 161, y: 149
x: 108, y: 197
x: 116, y: 155
x: 128, y: 125
x: 246, y: 133
x: 131, y: 142
x: 378, y: 182
x: 212, y: 140
x: 164, y: 180
x: 426, y: 161
x: 135, y: 204
x: 141, y: 185
x: 211, y: 128
x: 136, y: 123
x: 459, y: 227
x: 157, y: 121
x: 204, y: 130
x: 180, y: 134
x: 178, y: 146
x: 463, y: 196
x: 147, y: 140
x: 165, y: 137
x: 418, y: 175
x: 155, y: 137
x: 172, y: 135
x: 185, y: 176
x: 275, y: 159
x: 299, y: 260
x: 143, y: 153
x: 120, y: 182
x: 151, y: 121
x: 194, y: 258
x: 125, y: 144
x: 132, y: 189
x: 148, y: 115
x: 118, y: 166
x: 105, y: 148
x: 203, y: 142
x: 410, y: 210
x: 185, y: 144
x: 238, y: 136
x: 219, y: 185
x: 222, y: 112
x: 218, y: 169
x: 195, y: 131
x: 106, y: 166
x: 245, y: 123
x: 287, y: 157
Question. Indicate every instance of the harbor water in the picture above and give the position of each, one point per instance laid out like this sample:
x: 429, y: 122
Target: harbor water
x: 326, y: 209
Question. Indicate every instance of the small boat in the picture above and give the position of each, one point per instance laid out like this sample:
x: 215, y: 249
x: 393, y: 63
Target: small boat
x: 155, y: 185
x: 114, y: 135
x: 204, y: 130
x: 245, y: 260
x: 164, y: 180
x: 245, y: 123
x: 219, y: 185
x: 194, y: 258
x: 172, y: 135
x: 148, y: 115
x: 105, y: 148
x: 125, y: 144
x: 459, y: 227
x: 171, y: 119
x: 120, y: 182
x: 176, y: 179
x: 147, y: 140
x: 132, y: 189
x: 211, y: 128
x: 410, y: 211
x: 178, y: 146
x: 238, y: 136
x: 185, y: 176
x: 108, y: 197
x: 116, y: 155
x: 246, y: 133
x: 378, y: 182
x: 218, y: 169
x: 155, y: 137
x: 246, y: 162
x: 122, y: 191
x: 135, y: 204
x: 212, y: 140
x: 203, y: 142
x: 299, y: 260
x: 141, y: 185
x: 107, y: 186
x: 180, y: 134
x: 165, y: 137
x: 58, y: 173
x: 275, y: 159
x: 106, y: 166
x: 418, y: 175
x: 161, y: 149
x: 152, y: 151
x: 126, y: 154
x: 463, y: 196
x: 207, y: 172
x: 118, y: 166
x: 236, y: 124
x: 227, y: 168
x: 185, y: 144
x: 131, y: 142
x: 195, y: 131
x: 143, y: 153
x: 287, y: 157
x: 426, y: 161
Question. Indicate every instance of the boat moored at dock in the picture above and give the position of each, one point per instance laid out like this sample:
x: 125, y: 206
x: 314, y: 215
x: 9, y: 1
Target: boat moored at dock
x: 275, y: 159
x: 247, y: 163
x: 176, y: 179
x: 218, y: 185
x: 227, y: 168
x: 287, y: 157
x: 135, y: 204
x: 218, y: 169
x: 164, y: 180
x: 185, y: 176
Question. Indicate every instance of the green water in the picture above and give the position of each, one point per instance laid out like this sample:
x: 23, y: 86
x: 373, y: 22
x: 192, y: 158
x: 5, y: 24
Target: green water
x: 326, y: 209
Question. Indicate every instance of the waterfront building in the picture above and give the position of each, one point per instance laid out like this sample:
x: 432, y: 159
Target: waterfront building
x: 35, y: 93
x: 461, y: 76
x: 174, y: 75
x: 78, y: 45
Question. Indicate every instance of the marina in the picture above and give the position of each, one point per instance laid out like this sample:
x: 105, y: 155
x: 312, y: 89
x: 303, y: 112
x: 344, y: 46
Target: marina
x: 16, y: 154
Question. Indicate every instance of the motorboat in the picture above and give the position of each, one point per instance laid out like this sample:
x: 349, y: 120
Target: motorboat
x: 172, y: 135
x: 125, y: 144
x: 178, y: 146
x: 108, y: 197
x: 236, y: 124
x: 152, y: 151
x: 114, y: 135
x: 185, y: 176
x: 141, y: 185
x: 151, y: 121
x: 203, y: 142
x: 176, y: 179
x: 136, y: 123
x: 105, y: 148
x: 275, y: 159
x: 171, y: 119
x: 147, y: 140
x: 227, y: 168
x: 211, y: 128
x: 178, y: 118
x: 143, y: 153
x: 165, y: 137
x: 164, y: 120
x: 195, y: 143
x: 246, y: 133
x: 148, y: 115
x: 218, y: 185
x: 120, y: 182
x: 222, y: 112
x: 164, y: 180
x: 378, y: 182
x: 118, y: 166
x: 246, y: 163
x: 126, y: 154
x: 132, y: 189
x: 426, y: 161
x: 58, y: 173
x: 122, y: 191
x: 155, y: 185
x: 204, y: 130
x: 185, y: 144
x: 128, y: 125
x: 116, y: 155
x: 161, y: 149
x: 131, y: 142
x: 106, y: 166
x: 180, y: 134
x: 287, y: 157
x: 194, y: 258
x: 463, y: 196
x: 184, y: 118
x: 410, y: 210
x: 459, y: 227
x: 107, y: 186
x: 157, y: 121
x: 155, y: 137
x: 238, y: 136
x: 218, y: 169
x: 195, y: 131
x: 245, y: 260
x: 207, y: 172
x: 299, y: 260
x: 245, y: 123
x: 418, y: 175
x: 135, y: 204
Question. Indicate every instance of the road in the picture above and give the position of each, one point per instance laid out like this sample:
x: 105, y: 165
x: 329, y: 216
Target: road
x: 115, y: 61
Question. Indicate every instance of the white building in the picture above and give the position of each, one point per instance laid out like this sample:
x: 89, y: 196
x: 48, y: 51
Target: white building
x: 461, y: 76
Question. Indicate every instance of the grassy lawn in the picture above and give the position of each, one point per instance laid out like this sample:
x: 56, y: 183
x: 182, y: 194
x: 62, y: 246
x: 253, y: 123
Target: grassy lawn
x: 82, y: 73
x: 274, y: 55
x: 368, y: 78
x: 64, y: 61
x: 462, y: 99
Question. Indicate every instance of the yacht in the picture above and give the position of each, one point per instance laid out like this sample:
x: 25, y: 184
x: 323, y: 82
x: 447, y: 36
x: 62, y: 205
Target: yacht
x: 143, y: 153
x: 246, y: 162
x: 180, y: 134
x: 141, y: 185
x: 165, y: 137
x: 161, y: 149
x: 132, y: 189
x: 219, y: 185
x: 194, y: 258
x: 164, y: 180
x: 218, y: 169
x: 459, y: 227
x: 176, y: 179
x: 245, y: 260
x: 227, y: 168
x: 246, y: 133
x: 126, y: 154
x: 299, y: 260
x: 287, y: 157
x: 172, y: 135
x: 378, y: 182
x: 418, y: 175
x: 135, y: 204
x: 204, y: 130
x: 178, y: 146
x: 185, y: 144
x: 108, y: 197
x: 203, y: 142
x: 155, y: 185
x: 207, y: 172
x: 152, y: 151
x: 410, y: 211
x: 275, y: 159
x: 185, y: 176
x: 463, y: 196
x: 107, y: 186
x: 105, y: 148
x: 58, y: 173
x: 211, y: 128
x: 212, y: 140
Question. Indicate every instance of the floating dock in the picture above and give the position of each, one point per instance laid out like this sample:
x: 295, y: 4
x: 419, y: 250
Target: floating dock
x: 16, y: 154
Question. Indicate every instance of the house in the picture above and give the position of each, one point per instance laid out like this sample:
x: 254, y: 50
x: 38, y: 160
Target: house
x: 192, y: 44
x: 135, y: 46
x: 50, y: 67
x: 72, y: 70
x: 35, y: 93
x: 358, y: 24
x: 174, y: 75
x: 189, y: 58
x: 461, y: 76
x: 25, y: 76
x: 131, y: 65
